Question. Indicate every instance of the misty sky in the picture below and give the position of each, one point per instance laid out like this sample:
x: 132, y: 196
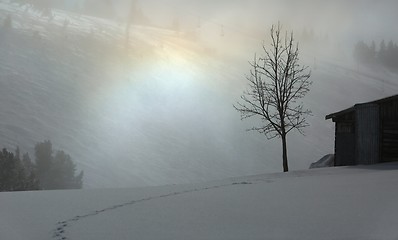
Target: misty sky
x: 365, y: 19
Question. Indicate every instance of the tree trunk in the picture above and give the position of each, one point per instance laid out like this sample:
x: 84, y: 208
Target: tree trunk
x: 284, y: 153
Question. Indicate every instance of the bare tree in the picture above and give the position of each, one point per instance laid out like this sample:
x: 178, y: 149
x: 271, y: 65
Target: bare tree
x: 276, y: 84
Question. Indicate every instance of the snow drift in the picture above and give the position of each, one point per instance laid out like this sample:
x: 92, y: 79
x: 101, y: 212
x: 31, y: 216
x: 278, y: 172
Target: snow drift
x: 330, y: 203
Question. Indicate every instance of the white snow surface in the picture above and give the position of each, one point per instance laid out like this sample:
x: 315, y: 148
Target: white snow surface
x: 333, y: 203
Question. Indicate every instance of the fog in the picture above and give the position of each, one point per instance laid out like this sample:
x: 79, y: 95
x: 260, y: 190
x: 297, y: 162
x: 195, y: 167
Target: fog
x: 346, y: 19
x: 246, y: 24
x: 160, y: 110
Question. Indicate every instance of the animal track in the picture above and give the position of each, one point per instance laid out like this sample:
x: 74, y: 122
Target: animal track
x: 241, y: 183
x: 60, y: 229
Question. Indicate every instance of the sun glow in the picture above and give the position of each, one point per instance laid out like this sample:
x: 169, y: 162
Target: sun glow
x: 156, y: 93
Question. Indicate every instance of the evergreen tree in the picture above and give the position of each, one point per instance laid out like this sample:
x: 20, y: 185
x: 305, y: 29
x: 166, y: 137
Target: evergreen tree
x: 32, y: 181
x: 56, y: 172
x: 14, y: 174
x: 373, y: 52
x: 363, y: 53
x: 63, y: 172
x: 387, y: 55
x: 7, y: 170
x: 382, y: 51
x: 43, y: 154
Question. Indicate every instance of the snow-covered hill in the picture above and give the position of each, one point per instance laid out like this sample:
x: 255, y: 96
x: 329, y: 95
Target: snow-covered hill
x: 334, y: 203
x: 158, y: 112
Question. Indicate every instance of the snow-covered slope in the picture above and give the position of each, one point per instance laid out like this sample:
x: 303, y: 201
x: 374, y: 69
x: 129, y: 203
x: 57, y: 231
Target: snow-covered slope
x: 159, y: 112
x: 334, y: 203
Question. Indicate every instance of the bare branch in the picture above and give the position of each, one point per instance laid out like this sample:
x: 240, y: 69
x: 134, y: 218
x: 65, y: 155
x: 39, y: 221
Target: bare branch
x: 276, y: 82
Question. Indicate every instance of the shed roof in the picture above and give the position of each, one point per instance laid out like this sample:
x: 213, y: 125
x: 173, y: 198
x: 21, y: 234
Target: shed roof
x: 351, y: 109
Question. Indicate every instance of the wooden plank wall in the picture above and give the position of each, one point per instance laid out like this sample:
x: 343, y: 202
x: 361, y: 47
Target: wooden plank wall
x: 345, y: 150
x: 390, y: 142
x: 344, y: 145
x: 367, y: 134
x: 389, y: 139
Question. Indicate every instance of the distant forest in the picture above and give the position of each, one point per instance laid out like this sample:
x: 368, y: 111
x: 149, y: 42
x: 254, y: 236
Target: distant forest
x: 385, y: 54
x: 47, y: 172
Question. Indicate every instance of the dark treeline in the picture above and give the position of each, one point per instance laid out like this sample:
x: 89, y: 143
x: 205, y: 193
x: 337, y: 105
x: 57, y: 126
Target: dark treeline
x: 384, y: 54
x: 48, y: 172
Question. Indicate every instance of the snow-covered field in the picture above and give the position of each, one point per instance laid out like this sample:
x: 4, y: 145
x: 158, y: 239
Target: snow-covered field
x: 333, y: 203
x: 159, y: 112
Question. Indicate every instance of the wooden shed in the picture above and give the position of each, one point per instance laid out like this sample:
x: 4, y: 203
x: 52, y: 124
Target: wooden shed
x: 367, y: 133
